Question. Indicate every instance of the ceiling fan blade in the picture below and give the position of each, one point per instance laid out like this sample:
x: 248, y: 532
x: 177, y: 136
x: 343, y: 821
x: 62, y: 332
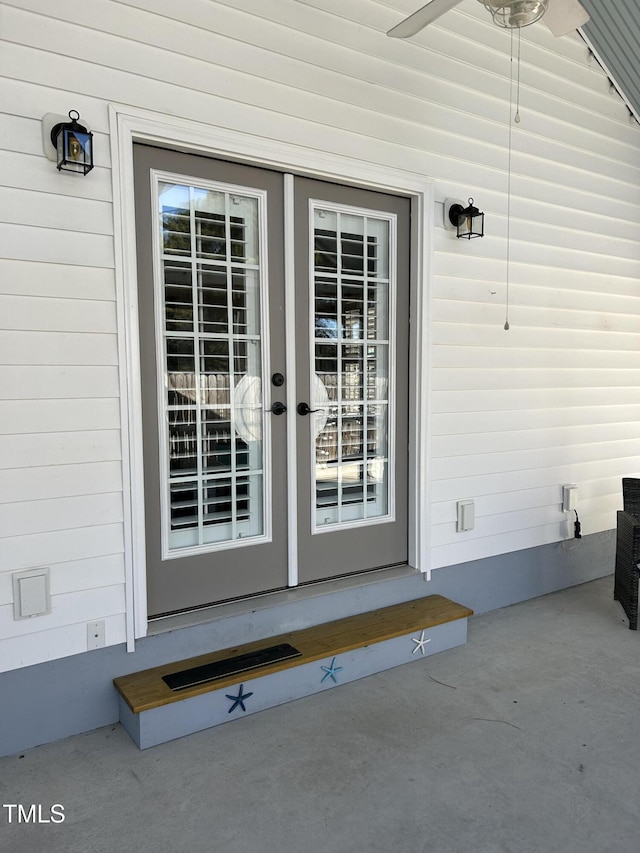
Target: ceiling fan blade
x: 564, y: 16
x: 414, y: 23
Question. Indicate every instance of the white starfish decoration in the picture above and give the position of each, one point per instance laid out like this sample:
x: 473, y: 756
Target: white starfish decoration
x: 420, y: 643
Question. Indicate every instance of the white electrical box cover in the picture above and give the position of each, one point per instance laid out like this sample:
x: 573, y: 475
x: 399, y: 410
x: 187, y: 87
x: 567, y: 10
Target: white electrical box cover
x: 466, y: 515
x: 570, y: 498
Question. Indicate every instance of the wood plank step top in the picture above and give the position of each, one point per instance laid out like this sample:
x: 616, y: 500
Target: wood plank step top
x: 145, y: 690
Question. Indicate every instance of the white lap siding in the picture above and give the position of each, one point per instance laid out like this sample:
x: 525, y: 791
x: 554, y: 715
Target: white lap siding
x: 513, y: 415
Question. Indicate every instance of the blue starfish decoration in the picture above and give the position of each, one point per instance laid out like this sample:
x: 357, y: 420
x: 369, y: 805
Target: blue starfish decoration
x: 239, y: 699
x: 331, y: 671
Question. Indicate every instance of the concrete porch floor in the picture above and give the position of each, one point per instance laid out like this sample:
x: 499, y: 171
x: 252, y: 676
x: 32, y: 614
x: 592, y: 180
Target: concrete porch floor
x: 524, y: 740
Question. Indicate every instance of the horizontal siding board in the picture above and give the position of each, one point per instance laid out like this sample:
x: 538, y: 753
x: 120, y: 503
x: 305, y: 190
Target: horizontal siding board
x: 67, y: 609
x: 540, y: 295
x: 551, y: 262
x: 437, y: 146
x: 533, y: 478
x: 74, y: 576
x: 487, y: 49
x: 56, y: 246
x: 61, y: 546
x: 154, y: 67
x: 445, y: 512
x: 45, y: 382
x: 23, y: 134
x: 594, y: 261
x: 594, y: 241
x: 504, y: 523
x: 559, y: 213
x: 27, y: 99
x: 451, y: 311
x: 593, y: 250
x: 64, y: 448
x: 522, y: 400
x: 519, y: 336
x: 452, y: 424
x: 44, y: 516
x: 535, y: 198
x: 51, y: 481
x: 59, y: 348
x: 450, y: 48
x: 31, y: 172
x: 33, y: 416
x: 30, y: 278
x: 517, y: 359
x: 538, y: 266
x: 252, y: 117
x: 50, y: 314
x: 48, y: 210
x: 78, y: 575
x: 498, y: 379
x: 473, y: 465
x: 492, y: 270
x: 46, y: 645
x: 540, y: 438
x: 492, y: 546
x: 321, y: 77
x: 540, y: 190
x: 601, y: 493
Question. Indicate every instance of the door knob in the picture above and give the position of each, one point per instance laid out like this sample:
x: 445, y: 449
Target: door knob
x: 278, y: 408
x: 304, y: 409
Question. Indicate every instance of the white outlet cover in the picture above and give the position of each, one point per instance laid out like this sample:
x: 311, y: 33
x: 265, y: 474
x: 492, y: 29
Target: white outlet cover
x: 95, y: 634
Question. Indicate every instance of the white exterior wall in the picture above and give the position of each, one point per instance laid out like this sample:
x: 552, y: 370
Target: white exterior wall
x: 514, y: 415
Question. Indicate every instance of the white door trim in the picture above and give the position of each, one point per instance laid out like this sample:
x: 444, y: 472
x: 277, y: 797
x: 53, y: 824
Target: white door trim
x: 290, y: 366
x: 128, y: 125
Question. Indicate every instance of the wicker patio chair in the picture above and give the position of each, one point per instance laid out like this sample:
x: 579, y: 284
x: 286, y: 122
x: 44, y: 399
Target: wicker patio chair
x: 627, y: 570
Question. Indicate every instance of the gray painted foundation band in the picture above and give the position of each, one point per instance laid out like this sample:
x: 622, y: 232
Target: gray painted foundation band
x: 53, y: 700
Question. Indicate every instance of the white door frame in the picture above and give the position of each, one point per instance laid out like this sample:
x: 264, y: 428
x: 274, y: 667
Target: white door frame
x: 128, y: 125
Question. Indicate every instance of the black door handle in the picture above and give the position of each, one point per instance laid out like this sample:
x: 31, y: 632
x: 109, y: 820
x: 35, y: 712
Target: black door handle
x: 278, y: 408
x: 303, y: 409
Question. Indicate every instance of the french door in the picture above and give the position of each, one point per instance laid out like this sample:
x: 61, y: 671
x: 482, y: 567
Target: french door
x: 238, y: 484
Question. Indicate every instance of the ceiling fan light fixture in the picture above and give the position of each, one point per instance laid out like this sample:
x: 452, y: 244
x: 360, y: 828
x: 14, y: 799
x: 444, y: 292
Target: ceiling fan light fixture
x: 514, y: 14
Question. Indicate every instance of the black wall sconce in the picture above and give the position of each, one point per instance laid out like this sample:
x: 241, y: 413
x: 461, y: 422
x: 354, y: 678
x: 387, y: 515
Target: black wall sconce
x: 467, y: 222
x: 74, y: 145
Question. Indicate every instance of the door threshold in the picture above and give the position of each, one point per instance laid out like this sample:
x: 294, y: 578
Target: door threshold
x: 276, y: 598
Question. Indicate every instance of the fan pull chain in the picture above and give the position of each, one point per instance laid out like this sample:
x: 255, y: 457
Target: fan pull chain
x: 516, y: 118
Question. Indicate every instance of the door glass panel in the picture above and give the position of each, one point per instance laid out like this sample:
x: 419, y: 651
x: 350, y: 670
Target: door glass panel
x: 212, y: 356
x: 352, y: 296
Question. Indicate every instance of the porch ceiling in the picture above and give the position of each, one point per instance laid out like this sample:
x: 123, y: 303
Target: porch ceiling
x: 613, y: 33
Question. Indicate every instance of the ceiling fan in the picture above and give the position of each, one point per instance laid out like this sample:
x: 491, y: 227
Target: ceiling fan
x: 561, y: 16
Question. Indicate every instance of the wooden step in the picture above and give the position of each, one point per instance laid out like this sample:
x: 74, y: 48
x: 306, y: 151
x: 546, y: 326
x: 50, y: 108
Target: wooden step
x: 329, y: 654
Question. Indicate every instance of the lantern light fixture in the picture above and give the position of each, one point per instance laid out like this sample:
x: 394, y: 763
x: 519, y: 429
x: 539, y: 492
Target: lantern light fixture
x: 467, y: 222
x: 74, y: 145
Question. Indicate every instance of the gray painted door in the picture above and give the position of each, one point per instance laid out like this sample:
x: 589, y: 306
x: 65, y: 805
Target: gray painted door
x: 211, y: 238
x: 211, y: 334
x: 352, y: 294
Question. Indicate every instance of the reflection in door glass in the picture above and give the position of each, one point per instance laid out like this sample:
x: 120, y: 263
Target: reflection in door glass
x: 210, y: 277
x: 352, y: 308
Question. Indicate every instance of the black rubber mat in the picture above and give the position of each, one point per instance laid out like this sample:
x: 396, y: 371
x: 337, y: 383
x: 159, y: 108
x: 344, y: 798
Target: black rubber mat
x: 229, y: 666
